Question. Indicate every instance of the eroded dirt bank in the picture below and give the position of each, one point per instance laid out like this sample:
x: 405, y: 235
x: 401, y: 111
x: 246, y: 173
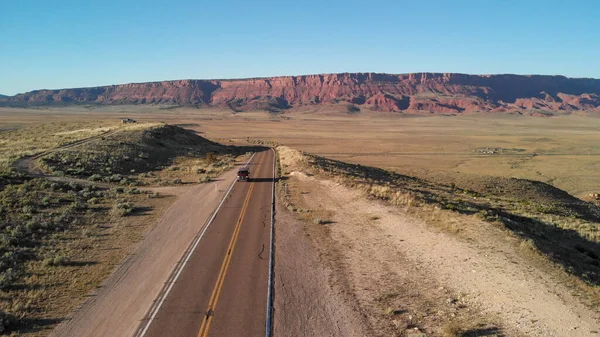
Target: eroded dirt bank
x: 403, y: 275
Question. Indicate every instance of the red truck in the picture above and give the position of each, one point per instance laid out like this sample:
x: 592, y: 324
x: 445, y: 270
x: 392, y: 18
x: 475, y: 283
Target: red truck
x: 243, y: 174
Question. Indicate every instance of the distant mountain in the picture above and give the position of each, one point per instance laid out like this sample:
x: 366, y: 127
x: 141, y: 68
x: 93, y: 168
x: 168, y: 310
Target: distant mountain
x: 3, y: 96
x: 410, y: 93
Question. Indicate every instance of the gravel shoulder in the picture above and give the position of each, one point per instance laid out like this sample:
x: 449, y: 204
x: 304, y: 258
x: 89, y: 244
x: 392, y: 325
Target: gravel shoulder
x: 121, y: 302
x: 307, y: 300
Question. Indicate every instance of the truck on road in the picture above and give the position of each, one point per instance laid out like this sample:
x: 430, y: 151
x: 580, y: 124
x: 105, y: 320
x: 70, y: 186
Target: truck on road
x: 243, y: 174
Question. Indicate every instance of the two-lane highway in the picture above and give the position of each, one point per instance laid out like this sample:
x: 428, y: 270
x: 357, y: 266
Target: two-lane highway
x: 220, y: 286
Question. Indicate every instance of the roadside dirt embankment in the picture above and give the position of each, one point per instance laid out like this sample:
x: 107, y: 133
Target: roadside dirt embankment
x: 405, y: 275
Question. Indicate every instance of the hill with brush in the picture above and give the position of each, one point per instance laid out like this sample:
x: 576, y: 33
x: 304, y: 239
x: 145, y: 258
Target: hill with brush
x: 133, y: 150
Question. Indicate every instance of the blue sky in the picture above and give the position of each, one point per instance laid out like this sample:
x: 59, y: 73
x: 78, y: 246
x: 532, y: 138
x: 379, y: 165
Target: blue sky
x: 63, y: 44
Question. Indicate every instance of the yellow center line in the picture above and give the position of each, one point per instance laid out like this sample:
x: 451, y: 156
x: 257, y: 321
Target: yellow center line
x: 214, y: 298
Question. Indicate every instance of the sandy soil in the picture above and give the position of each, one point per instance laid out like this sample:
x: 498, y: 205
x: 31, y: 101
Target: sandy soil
x: 116, y: 308
x: 406, y: 275
x: 307, y: 300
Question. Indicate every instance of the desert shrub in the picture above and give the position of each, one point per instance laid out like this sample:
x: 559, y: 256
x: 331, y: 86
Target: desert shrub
x: 77, y: 205
x: 450, y: 207
x: 177, y: 181
x: 204, y: 179
x: 115, y: 178
x: 6, y: 320
x: 118, y: 190
x: 8, y: 278
x: 122, y: 208
x: 95, y: 177
x: 211, y: 157
x: 28, y: 210
x: 60, y: 259
x: 133, y: 190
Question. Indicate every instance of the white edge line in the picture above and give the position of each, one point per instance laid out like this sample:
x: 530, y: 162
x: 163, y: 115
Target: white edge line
x: 179, y: 266
x: 269, y: 322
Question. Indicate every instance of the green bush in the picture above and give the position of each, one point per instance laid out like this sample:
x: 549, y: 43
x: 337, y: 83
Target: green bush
x: 8, y: 277
x: 59, y: 259
x: 95, y: 177
x: 122, y: 208
x: 115, y: 178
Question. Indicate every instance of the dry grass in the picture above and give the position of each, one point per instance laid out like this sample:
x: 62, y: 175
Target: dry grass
x: 32, y: 140
x: 190, y: 170
x: 558, y: 150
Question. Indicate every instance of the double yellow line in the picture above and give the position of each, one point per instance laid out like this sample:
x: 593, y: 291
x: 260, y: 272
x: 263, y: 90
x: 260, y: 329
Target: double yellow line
x: 214, y: 298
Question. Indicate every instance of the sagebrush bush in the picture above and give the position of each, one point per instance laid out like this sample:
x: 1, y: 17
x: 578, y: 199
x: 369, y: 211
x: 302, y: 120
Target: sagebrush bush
x: 8, y: 277
x: 122, y: 208
x: 60, y: 259
x: 95, y: 177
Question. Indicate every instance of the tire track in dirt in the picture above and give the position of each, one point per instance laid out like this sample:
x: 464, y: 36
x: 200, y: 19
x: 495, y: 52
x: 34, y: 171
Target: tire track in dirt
x: 26, y: 165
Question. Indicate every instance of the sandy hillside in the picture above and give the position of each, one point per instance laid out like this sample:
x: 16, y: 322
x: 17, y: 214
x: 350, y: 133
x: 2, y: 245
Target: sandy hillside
x: 405, y: 275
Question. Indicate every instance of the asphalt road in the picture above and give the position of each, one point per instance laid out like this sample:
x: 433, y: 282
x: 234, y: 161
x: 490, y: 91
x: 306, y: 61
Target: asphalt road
x: 221, y: 290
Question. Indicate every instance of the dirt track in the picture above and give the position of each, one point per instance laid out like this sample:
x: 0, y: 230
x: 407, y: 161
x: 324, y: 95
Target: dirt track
x: 28, y: 166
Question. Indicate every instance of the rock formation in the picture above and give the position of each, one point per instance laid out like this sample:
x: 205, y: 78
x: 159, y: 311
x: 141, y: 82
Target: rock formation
x: 418, y: 92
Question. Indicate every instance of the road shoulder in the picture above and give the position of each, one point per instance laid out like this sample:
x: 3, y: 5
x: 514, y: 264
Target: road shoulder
x: 121, y: 302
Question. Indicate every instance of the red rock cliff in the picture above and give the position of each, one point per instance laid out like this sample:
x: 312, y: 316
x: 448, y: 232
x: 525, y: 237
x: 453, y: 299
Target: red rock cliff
x: 434, y: 92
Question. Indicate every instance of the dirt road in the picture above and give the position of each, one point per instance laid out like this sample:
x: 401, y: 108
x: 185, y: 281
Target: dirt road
x: 27, y: 164
x: 221, y: 287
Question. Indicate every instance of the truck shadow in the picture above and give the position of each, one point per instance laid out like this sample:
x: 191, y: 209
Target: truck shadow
x: 266, y: 180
